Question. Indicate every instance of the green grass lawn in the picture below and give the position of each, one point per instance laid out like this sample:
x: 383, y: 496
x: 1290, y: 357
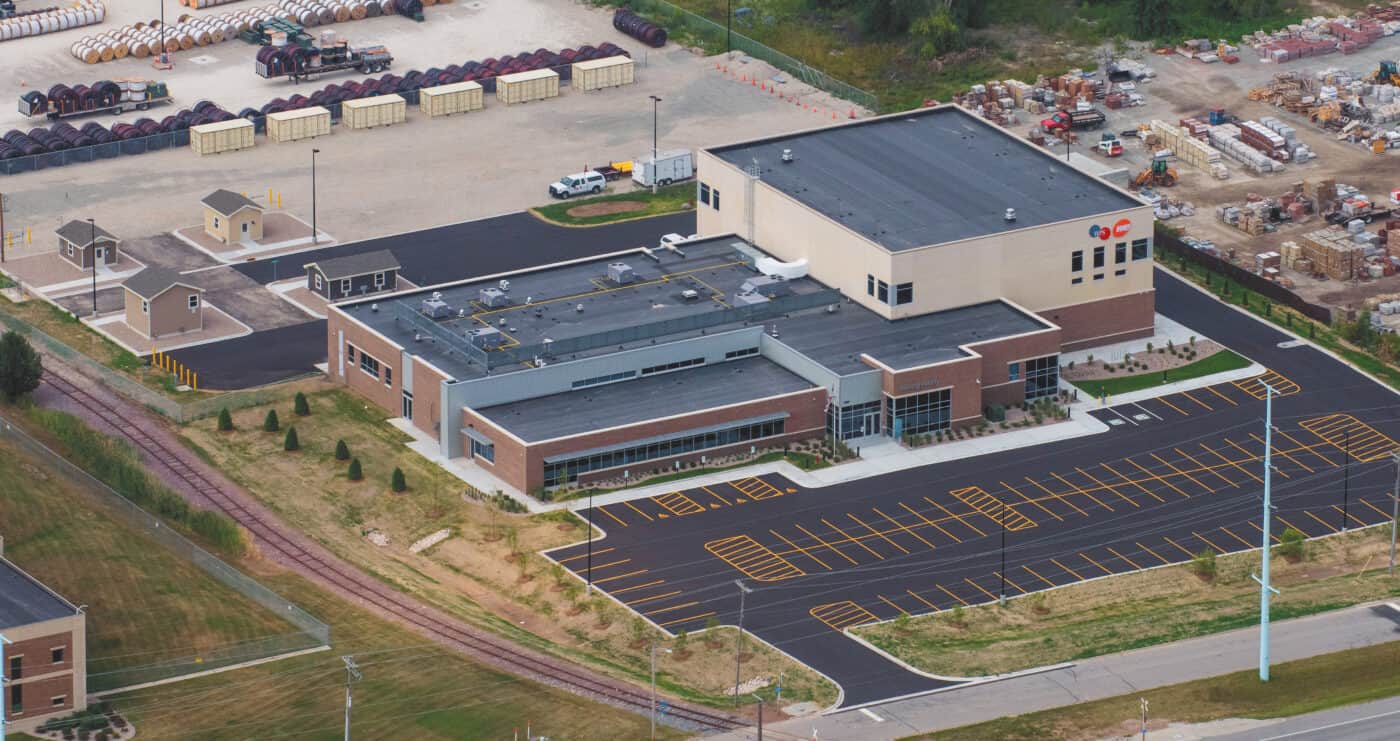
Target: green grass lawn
x: 146, y: 605
x: 1304, y: 686
x: 1220, y: 362
x: 412, y: 689
x: 668, y: 200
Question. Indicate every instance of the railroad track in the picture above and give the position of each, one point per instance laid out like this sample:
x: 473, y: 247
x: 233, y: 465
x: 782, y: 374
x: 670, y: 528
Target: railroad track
x: 352, y: 582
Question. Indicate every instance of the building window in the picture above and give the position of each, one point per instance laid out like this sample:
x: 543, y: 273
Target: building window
x: 705, y: 193
x: 1077, y: 281
x: 904, y: 294
x: 194, y: 301
x: 16, y: 667
x: 854, y: 420
x: 1013, y: 371
x: 1076, y: 261
x: 57, y: 655
x: 1120, y: 253
x: 1098, y: 257
x: 70, y: 249
x: 744, y: 353
x: 1042, y: 376
x: 378, y: 280
x: 567, y: 471
x: 59, y: 700
x: 668, y: 367
x: 145, y: 306
x: 1098, y: 276
x: 869, y: 284
x: 714, y: 196
x: 318, y: 281
x: 345, y: 286
x: 1141, y: 249
x: 369, y: 365
x: 599, y: 380
x: 1120, y: 272
x: 483, y: 450
x: 16, y: 698
x: 918, y: 414
x: 350, y: 352
x: 882, y: 292
x: 388, y: 376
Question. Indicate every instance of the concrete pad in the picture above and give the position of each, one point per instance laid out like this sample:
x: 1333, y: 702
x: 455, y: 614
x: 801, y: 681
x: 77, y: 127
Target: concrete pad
x: 295, y: 292
x: 54, y: 276
x: 283, y: 234
x: 217, y: 326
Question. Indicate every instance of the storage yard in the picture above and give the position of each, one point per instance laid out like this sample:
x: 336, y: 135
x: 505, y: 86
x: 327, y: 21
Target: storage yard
x: 701, y: 106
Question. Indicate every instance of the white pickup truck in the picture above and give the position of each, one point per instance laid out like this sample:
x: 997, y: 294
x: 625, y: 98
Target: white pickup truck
x: 578, y: 184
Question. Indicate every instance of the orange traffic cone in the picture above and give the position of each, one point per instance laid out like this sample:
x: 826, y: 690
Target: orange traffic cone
x: 754, y: 81
x: 833, y: 115
x: 772, y: 90
x: 745, y: 78
x: 853, y: 113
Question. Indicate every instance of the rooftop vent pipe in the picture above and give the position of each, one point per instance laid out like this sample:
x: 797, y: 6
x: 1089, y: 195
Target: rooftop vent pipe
x: 1010, y: 214
x: 787, y: 155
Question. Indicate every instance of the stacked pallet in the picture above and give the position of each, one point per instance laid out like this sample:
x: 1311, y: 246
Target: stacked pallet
x: 1333, y: 251
x: 1187, y: 147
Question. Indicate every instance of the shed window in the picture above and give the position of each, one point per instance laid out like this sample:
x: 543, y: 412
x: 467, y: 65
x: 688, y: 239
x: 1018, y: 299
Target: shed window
x: 378, y: 280
x: 194, y: 301
x: 705, y: 193
x: 59, y: 700
x: 345, y: 285
x: 216, y: 222
x: 869, y: 284
x: 483, y: 450
x: 1013, y: 371
x: 1077, y: 281
x: 350, y: 352
x: 319, y: 284
x: 145, y: 306
x: 70, y: 249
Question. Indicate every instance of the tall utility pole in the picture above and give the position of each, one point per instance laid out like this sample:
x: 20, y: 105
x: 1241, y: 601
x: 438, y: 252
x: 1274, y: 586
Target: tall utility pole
x: 590, y: 539
x: 1346, y: 475
x: 352, y: 675
x: 728, y: 20
x: 655, y: 175
x: 1394, y: 511
x: 3, y: 642
x: 653, y: 688
x: 314, y: 234
x: 739, y: 637
x: 1001, y: 596
x: 1264, y: 589
x: 760, y: 716
x: 93, y: 237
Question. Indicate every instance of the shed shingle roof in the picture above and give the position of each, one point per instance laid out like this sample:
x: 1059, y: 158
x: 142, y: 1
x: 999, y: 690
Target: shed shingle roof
x: 80, y: 233
x: 153, y: 281
x: 228, y: 203
x: 350, y: 266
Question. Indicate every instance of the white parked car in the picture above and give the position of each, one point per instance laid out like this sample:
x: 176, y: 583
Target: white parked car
x: 667, y: 240
x: 578, y: 184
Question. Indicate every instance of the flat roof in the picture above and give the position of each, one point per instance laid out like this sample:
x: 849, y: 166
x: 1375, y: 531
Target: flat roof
x: 24, y: 600
x: 644, y: 399
x: 926, y: 177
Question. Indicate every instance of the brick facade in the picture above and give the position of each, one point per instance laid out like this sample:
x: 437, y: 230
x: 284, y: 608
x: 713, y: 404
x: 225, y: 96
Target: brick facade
x: 40, y: 679
x: 1104, y: 322
x: 389, y: 396
x: 427, y: 385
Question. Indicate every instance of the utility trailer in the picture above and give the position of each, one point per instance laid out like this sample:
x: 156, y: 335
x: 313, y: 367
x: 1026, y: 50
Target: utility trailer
x: 666, y: 168
x: 297, y: 63
x: 84, y: 101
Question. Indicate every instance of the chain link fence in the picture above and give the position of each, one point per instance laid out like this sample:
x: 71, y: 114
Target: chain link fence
x: 304, y: 631
x: 681, y: 22
x: 138, y: 145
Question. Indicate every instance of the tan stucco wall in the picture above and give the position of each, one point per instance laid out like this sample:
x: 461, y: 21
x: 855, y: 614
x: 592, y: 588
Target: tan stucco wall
x: 170, y: 313
x: 229, y: 229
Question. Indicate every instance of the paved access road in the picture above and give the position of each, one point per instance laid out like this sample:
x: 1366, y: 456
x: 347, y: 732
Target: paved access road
x: 1371, y: 721
x: 438, y: 255
x: 1172, y: 477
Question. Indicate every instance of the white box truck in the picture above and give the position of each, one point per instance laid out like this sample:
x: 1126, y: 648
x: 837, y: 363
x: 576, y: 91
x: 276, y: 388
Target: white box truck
x: 669, y: 167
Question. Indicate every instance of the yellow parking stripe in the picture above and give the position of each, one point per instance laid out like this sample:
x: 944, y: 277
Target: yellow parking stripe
x: 1198, y: 401
x: 1149, y: 550
x: 1261, y: 530
x: 842, y: 615
x: 959, y: 518
x: 902, y: 526
x: 979, y: 588
x: 800, y: 549
x: 1013, y: 584
x: 1284, y: 453
x: 638, y: 511
x: 1350, y: 516
x: 1183, y: 412
x: 1017, y: 492
x: 1213, y: 469
x: 1310, y: 448
x: 1038, y: 576
x: 621, y: 576
x: 1127, y: 480
x: 672, y: 608
x: 1129, y: 561
x: 954, y: 596
x: 1037, y: 485
x: 712, y: 493
x: 849, y: 539
x: 1077, y: 490
x: 687, y: 619
x: 753, y: 559
x: 1102, y: 485
x: 1321, y: 521
x: 916, y: 596
x: 1295, y: 527
x: 678, y: 504
x: 1203, y: 539
x: 931, y: 523
x: 1076, y: 574
x: 828, y: 545
x: 1217, y: 393
x: 1380, y: 511
x: 616, y: 592
x: 1169, y: 484
x: 1179, y: 546
x: 1232, y: 534
x: 1085, y: 556
x: 605, y: 511
x: 884, y: 537
x: 898, y: 610
x: 610, y: 563
x: 1188, y: 476
x: 584, y: 555
x: 652, y: 598
x: 1234, y: 463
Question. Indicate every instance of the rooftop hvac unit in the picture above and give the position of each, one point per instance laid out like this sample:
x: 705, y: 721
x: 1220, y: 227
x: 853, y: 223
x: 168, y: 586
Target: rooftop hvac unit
x: 749, y: 299
x: 505, y: 285
x: 768, y: 285
x: 486, y: 338
x: 493, y: 298
x: 787, y: 155
x: 435, y: 308
x: 621, y: 273
x: 690, y: 294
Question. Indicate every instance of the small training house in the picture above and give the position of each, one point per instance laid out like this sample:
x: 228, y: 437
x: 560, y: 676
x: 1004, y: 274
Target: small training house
x: 232, y: 217
x: 353, y: 275
x: 78, y: 239
x: 159, y: 303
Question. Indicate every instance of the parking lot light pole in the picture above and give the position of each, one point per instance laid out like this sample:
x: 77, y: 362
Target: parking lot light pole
x: 739, y: 637
x: 1394, y: 511
x: 653, y: 688
x: 1002, y: 595
x: 654, y: 174
x: 1346, y: 475
x: 314, y: 234
x: 589, y: 578
x: 1265, y: 590
x: 93, y: 247
x: 760, y: 715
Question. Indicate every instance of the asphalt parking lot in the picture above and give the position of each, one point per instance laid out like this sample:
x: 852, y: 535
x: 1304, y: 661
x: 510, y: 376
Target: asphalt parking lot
x: 431, y: 256
x: 1173, y: 476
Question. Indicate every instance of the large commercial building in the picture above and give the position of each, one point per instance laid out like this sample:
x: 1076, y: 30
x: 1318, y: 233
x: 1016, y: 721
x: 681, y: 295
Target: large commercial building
x: 45, y: 667
x: 857, y: 281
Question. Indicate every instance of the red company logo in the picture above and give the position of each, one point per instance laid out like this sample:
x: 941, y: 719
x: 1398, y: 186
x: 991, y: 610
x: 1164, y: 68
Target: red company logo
x: 1120, y: 229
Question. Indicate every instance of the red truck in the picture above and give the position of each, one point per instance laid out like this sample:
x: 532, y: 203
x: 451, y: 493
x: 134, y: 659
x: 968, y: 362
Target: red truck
x: 1073, y: 121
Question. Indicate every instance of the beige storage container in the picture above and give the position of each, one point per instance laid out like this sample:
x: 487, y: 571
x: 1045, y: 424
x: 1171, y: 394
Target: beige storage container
x: 523, y: 87
x: 223, y: 136
x: 596, y: 74
x: 367, y: 113
x: 304, y: 123
x: 445, y: 100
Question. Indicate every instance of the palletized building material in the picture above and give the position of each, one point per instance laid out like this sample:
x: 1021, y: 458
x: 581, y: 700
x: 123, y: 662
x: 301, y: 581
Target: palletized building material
x: 596, y: 74
x: 380, y: 110
x: 445, y: 100
x: 523, y: 87
x: 1333, y: 252
x: 222, y: 136
x: 303, y: 123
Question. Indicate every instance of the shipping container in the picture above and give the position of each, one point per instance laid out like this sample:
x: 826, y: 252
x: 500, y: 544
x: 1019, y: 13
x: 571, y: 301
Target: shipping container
x: 523, y: 87
x: 596, y: 74
x: 223, y: 136
x: 303, y: 123
x: 445, y: 100
x: 367, y: 113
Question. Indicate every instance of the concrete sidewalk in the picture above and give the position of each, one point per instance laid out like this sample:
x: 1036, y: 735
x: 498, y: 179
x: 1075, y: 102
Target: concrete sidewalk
x: 1101, y: 677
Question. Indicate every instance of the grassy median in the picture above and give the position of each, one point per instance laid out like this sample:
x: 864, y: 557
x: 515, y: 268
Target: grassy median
x: 1304, y: 686
x: 633, y: 204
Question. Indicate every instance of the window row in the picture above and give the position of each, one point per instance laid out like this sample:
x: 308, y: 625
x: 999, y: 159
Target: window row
x: 598, y: 380
x: 918, y: 414
x: 903, y: 292
x: 854, y: 420
x: 483, y: 450
x: 709, y: 196
x: 667, y: 367
x: 744, y: 353
x: 369, y: 364
x: 567, y: 471
x: 1141, y: 250
x: 1042, y: 376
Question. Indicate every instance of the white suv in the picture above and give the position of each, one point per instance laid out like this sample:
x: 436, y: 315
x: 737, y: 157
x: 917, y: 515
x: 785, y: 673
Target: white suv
x: 578, y: 184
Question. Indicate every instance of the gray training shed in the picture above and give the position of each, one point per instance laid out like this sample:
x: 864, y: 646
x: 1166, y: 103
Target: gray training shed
x: 353, y: 276
x: 77, y: 241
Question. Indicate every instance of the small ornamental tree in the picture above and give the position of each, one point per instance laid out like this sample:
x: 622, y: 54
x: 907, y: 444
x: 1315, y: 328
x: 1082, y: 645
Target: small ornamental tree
x: 290, y: 442
x: 354, y: 473
x: 270, y: 423
x: 1291, y: 544
x: 300, y: 405
x: 396, y: 481
x: 20, y: 366
x: 342, y: 451
x: 225, y: 420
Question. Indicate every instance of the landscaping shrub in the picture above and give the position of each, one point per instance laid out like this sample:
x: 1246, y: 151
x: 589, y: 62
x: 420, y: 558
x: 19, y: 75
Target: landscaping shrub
x: 342, y: 451
x: 1290, y: 544
x: 270, y: 423
x: 225, y: 420
x: 290, y: 443
x: 354, y: 473
x: 995, y: 412
x: 1203, y: 564
x: 396, y: 481
x: 300, y: 405
x: 20, y: 366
